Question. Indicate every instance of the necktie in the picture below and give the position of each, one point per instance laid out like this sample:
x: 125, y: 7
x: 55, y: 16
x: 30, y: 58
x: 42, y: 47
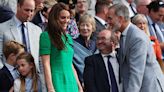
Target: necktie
x: 158, y: 32
x: 15, y: 73
x: 24, y: 36
x: 132, y: 9
x: 112, y: 76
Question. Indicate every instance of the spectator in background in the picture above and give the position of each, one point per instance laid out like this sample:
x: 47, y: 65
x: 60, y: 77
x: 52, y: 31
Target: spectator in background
x: 57, y: 53
x: 91, y: 7
x: 84, y: 45
x: 38, y: 5
x: 9, y: 73
x: 141, y: 21
x: 81, y: 9
x: 155, y: 15
x: 6, y: 13
x: 12, y: 4
x: 41, y: 17
x: 131, y: 7
x: 101, y: 9
x: 141, y: 6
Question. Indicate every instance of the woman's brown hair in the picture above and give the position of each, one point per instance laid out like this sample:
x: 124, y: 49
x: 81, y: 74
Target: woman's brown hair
x: 55, y: 30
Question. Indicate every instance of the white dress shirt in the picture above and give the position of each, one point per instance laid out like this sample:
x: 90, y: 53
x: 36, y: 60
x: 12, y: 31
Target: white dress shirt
x: 103, y: 22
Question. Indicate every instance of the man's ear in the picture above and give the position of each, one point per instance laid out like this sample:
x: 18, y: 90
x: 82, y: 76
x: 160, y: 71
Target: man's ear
x: 121, y: 18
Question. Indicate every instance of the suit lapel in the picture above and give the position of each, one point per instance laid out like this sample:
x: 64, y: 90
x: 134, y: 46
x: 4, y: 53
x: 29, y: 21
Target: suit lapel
x: 13, y: 30
x: 8, y: 73
x: 128, y: 36
x: 99, y: 24
x: 100, y: 61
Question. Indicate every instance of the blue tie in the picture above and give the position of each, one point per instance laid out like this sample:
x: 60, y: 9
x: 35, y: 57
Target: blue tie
x: 24, y: 36
x: 112, y: 76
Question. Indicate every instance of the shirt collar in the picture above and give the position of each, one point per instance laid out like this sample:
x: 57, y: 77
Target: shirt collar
x: 124, y: 33
x: 42, y: 17
x: 10, y: 67
x: 101, y: 20
x: 18, y: 22
x: 112, y: 54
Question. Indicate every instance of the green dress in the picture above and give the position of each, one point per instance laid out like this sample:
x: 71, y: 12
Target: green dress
x: 61, y: 63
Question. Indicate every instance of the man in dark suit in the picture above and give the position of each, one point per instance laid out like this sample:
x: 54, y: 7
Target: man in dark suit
x: 97, y: 74
x: 101, y: 9
x: 9, y: 73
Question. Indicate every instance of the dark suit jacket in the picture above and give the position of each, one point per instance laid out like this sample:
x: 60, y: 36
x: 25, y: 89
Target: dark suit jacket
x: 95, y: 74
x: 6, y: 80
x: 99, y: 27
x: 37, y: 19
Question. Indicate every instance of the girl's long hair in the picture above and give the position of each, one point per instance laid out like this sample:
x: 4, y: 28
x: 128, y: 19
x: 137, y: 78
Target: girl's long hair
x: 29, y: 58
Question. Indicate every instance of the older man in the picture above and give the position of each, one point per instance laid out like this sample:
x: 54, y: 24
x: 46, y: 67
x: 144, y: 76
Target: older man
x: 101, y: 72
x: 140, y: 72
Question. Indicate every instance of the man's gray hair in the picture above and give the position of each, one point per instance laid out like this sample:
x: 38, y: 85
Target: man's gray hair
x: 121, y: 10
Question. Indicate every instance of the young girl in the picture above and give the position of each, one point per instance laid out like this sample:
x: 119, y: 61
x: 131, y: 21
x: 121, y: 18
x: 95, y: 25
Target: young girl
x: 28, y: 80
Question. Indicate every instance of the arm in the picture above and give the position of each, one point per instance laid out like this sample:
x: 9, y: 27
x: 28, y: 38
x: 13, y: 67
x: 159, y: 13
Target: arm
x: 89, y: 76
x: 47, y: 72
x: 11, y: 89
x: 78, y: 82
x: 136, y: 60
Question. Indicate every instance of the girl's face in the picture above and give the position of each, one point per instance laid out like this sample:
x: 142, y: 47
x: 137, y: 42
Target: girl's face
x: 24, y: 68
x: 64, y: 18
x: 86, y: 29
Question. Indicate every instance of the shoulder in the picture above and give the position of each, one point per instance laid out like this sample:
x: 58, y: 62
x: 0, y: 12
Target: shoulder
x: 44, y: 35
x: 33, y: 26
x: 137, y: 33
x: 92, y: 57
x: 17, y: 84
x: 3, y: 70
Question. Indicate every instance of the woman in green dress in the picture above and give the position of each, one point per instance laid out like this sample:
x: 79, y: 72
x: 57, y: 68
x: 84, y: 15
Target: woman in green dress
x: 57, y: 53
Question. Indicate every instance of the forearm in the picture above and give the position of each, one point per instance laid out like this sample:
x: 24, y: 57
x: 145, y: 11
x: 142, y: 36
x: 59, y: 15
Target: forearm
x: 47, y: 74
x: 77, y: 79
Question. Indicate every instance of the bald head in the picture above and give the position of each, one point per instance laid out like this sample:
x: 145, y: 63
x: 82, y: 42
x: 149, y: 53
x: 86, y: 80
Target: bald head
x: 106, y: 33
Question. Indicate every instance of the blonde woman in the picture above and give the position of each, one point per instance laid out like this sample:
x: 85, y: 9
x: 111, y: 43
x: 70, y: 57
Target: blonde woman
x: 141, y: 21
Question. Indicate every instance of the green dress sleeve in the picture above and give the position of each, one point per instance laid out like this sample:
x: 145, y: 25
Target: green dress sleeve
x: 44, y: 44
